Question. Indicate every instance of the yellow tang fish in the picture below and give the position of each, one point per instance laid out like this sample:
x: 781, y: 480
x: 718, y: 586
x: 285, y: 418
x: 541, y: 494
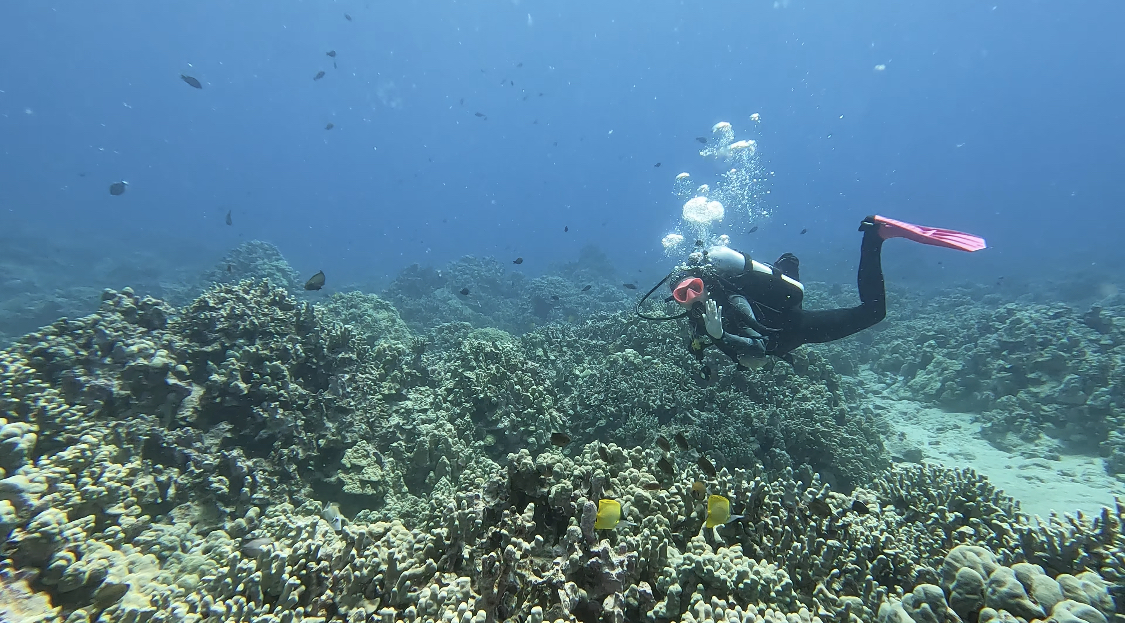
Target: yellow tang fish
x: 609, y: 515
x: 718, y: 511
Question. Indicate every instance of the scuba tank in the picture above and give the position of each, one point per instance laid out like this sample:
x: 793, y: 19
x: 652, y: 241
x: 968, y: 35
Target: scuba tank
x: 765, y: 286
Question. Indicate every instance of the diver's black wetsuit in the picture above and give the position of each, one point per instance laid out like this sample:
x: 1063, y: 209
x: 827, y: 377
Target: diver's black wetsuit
x: 786, y: 324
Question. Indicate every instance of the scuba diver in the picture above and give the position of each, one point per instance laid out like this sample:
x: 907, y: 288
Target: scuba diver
x: 750, y: 310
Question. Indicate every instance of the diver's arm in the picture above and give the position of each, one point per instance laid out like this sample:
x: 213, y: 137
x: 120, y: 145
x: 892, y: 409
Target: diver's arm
x: 743, y: 309
x: 745, y: 351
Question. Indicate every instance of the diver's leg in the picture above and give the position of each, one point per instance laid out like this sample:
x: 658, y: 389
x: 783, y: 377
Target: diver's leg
x: 819, y: 326
x: 872, y: 290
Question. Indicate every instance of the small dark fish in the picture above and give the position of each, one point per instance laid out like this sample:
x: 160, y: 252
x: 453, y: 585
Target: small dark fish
x: 230, y: 269
x: 707, y: 467
x: 319, y: 75
x: 555, y: 144
x: 512, y: 83
x: 518, y: 260
x: 666, y: 465
x: 681, y: 441
x: 860, y: 507
x: 652, y: 486
x: 229, y: 221
x: 820, y: 508
x: 701, y: 139
x: 519, y: 64
x: 347, y: 17
x: 587, y: 288
x: 554, y: 297
x: 81, y: 175
x: 540, y: 95
x: 657, y: 165
x: 118, y: 188
x: 629, y: 286
x: 804, y: 231
x: 699, y: 243
x: 191, y: 81
x: 566, y: 228
x: 699, y: 490
x: 329, y: 126
x: 478, y: 114
x: 753, y: 229
x: 464, y: 292
x: 705, y: 372
x: 462, y: 101
x: 315, y: 282
x: 560, y: 439
x: 334, y: 65
x: 602, y: 452
x: 331, y: 53
x: 663, y: 442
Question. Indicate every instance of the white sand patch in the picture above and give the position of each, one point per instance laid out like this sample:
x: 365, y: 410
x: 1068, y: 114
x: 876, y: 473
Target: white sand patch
x: 1066, y: 485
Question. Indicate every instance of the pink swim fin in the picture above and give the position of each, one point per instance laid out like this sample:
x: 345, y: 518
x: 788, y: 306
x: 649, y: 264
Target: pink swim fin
x: 948, y: 238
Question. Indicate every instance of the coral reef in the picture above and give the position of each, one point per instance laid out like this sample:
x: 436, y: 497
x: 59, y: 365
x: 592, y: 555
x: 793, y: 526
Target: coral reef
x: 252, y: 260
x: 38, y: 288
x: 503, y: 299
x: 252, y: 457
x: 45, y: 276
x: 981, y: 588
x: 783, y: 416
x: 375, y: 319
x: 129, y: 431
x: 623, y: 380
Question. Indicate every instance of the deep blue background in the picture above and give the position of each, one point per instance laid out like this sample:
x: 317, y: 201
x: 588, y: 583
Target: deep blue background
x: 1003, y: 119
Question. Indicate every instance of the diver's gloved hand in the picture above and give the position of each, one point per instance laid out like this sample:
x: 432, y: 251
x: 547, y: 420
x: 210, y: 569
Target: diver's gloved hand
x: 713, y: 319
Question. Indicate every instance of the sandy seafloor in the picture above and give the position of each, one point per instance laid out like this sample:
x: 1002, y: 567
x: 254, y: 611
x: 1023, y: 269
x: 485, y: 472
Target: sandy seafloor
x: 1071, y: 483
